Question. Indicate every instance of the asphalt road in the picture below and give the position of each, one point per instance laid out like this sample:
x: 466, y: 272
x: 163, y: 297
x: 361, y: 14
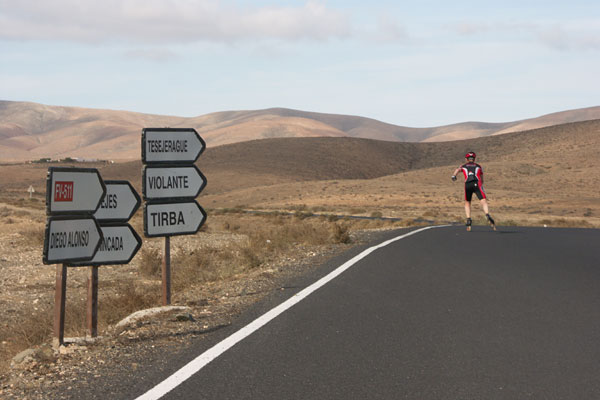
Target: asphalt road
x: 442, y: 314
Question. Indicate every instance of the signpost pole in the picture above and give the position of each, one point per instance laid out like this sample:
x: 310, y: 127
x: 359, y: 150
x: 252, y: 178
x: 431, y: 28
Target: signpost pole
x: 166, y: 273
x: 59, y: 305
x: 92, y: 302
x: 170, y: 183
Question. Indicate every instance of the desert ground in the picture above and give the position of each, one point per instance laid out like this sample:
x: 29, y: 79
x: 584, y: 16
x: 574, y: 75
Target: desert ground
x: 305, y: 187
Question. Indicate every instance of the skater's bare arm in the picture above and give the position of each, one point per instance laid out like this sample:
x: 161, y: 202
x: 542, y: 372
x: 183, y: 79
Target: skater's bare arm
x: 456, y: 171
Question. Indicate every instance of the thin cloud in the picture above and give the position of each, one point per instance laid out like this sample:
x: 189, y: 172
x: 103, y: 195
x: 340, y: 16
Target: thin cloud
x: 562, y: 37
x: 389, y: 30
x: 167, y: 21
x: 155, y: 55
x: 559, y: 38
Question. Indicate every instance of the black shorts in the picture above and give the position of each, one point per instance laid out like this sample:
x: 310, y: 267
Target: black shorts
x: 474, y: 187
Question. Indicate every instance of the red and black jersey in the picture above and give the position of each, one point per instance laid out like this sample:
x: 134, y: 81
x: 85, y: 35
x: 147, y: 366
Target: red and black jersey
x: 472, y: 172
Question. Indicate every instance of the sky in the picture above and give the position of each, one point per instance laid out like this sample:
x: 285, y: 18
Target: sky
x: 411, y: 63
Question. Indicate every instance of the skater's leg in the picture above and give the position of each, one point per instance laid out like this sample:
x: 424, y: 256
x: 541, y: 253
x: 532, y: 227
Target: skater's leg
x: 484, y: 205
x: 468, y: 213
x: 486, y: 210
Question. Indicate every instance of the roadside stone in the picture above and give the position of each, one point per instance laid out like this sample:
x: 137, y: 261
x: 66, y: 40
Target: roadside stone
x: 46, y: 353
x: 23, y: 357
x: 70, y: 349
x: 139, y: 316
x: 183, y: 317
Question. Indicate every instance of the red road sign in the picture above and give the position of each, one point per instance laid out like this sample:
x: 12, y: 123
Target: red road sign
x: 73, y: 190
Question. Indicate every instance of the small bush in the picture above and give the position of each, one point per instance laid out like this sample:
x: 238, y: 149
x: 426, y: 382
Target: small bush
x: 35, y: 234
x: 567, y: 223
x: 431, y: 213
x: 303, y: 214
x: 151, y: 263
x: 197, y: 266
x: 34, y: 329
x: 355, y: 211
x: 341, y: 234
x: 250, y: 255
x: 132, y: 297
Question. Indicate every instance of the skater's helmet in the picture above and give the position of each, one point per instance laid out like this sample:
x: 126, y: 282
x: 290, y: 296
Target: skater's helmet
x: 470, y: 154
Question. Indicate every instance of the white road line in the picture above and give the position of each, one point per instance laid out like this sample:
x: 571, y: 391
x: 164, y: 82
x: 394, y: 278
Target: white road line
x: 203, y: 359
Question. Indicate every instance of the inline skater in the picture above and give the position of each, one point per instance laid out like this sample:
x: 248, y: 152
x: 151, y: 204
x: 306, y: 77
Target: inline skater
x: 473, y: 174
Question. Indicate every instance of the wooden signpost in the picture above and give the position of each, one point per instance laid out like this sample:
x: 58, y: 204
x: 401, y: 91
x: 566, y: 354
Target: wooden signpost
x: 120, y: 241
x: 87, y: 226
x: 72, y: 233
x: 170, y: 184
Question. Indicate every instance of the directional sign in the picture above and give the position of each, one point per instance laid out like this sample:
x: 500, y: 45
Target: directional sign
x: 119, y: 204
x: 172, y: 182
x: 71, y: 239
x: 171, y: 145
x: 119, y: 246
x: 172, y: 219
x: 73, y: 190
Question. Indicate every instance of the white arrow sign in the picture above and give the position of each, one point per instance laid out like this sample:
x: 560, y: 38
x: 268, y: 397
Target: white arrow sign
x: 119, y: 204
x: 119, y: 246
x: 173, y: 219
x: 172, y: 182
x: 73, y: 190
x: 171, y: 145
x: 71, y: 239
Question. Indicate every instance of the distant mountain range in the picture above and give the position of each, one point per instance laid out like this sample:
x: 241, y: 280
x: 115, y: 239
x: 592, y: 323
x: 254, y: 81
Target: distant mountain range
x: 31, y: 131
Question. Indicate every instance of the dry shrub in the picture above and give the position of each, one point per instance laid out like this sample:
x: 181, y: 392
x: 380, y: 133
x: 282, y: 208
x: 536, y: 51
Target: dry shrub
x: 303, y: 214
x: 131, y: 297
x: 567, y: 223
x: 271, y: 241
x: 355, y: 211
x: 431, y: 213
x: 251, y: 255
x: 12, y: 212
x: 340, y: 234
x: 151, y: 263
x: 37, y: 327
x: 33, y: 329
x: 197, y: 266
x: 376, y: 214
x: 295, y: 231
x: 300, y: 207
x: 420, y: 222
x: 268, y: 238
x: 35, y: 234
